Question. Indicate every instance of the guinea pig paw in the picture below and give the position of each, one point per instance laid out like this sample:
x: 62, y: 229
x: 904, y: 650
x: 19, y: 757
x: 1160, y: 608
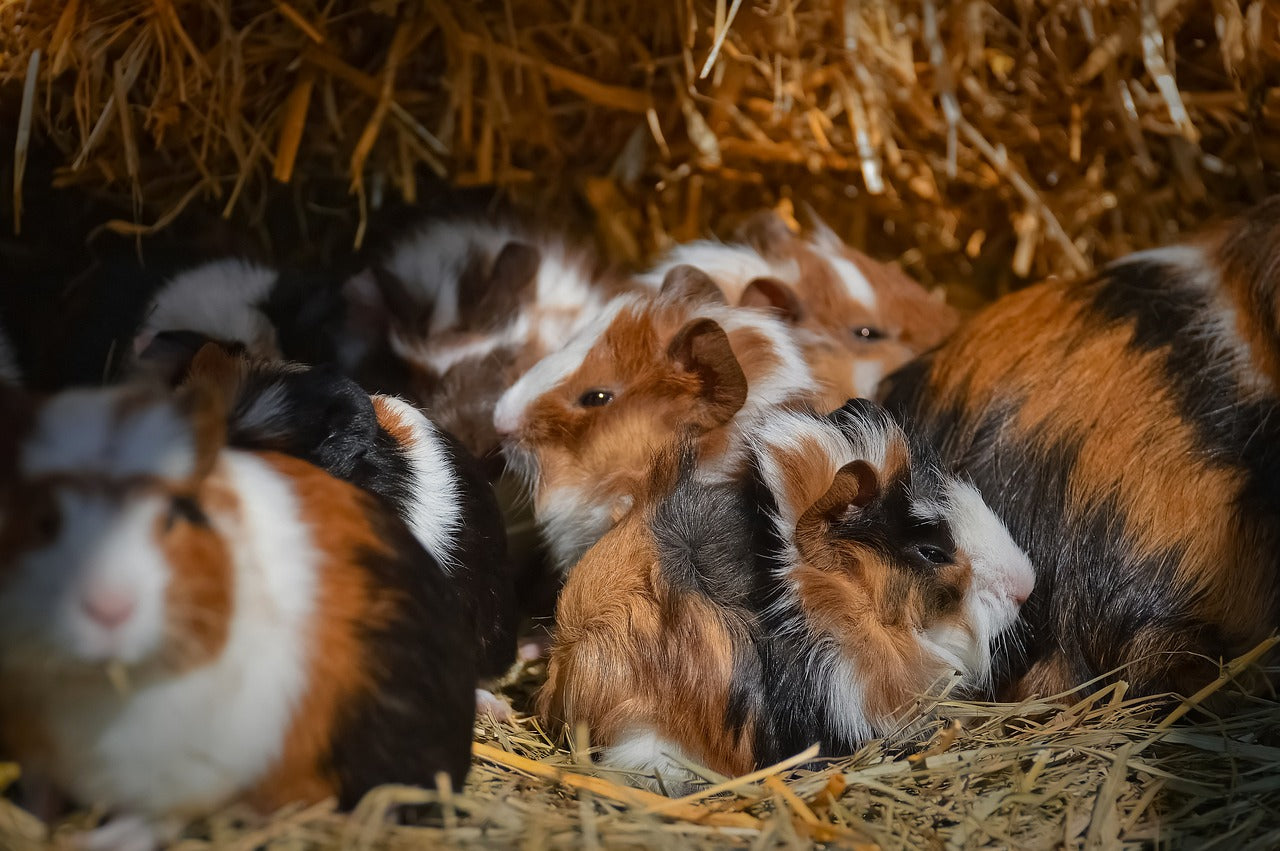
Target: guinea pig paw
x: 124, y: 833
x: 497, y: 708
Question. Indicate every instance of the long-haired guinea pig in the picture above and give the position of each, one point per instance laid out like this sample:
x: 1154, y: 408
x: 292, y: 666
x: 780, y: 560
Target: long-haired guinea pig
x: 583, y: 423
x: 735, y: 624
x: 1127, y: 429
x: 183, y: 625
x: 388, y: 447
x: 856, y: 319
x: 468, y: 304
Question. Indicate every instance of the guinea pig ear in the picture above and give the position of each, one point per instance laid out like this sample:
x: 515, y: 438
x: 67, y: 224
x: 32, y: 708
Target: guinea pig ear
x: 206, y: 408
x: 772, y: 295
x: 486, y: 301
x: 691, y: 285
x: 398, y: 306
x: 168, y: 355
x: 702, y: 348
x: 856, y: 485
x: 766, y: 232
x: 819, y: 231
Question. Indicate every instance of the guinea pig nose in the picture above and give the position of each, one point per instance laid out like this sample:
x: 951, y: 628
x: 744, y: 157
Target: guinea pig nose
x: 108, y: 609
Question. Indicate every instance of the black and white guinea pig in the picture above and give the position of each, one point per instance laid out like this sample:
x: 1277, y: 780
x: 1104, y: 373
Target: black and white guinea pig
x: 583, y: 424
x: 468, y: 304
x: 183, y: 625
x: 1127, y: 429
x: 833, y: 582
x: 387, y: 447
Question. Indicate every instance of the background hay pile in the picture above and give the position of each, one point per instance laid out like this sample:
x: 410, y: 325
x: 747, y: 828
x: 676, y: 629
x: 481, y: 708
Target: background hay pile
x: 979, y: 144
x: 976, y: 142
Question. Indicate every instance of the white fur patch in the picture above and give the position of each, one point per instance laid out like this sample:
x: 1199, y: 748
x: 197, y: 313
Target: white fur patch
x: 434, y: 513
x: 220, y: 300
x: 732, y: 266
x: 571, y: 520
x: 86, y: 431
x: 855, y: 283
x: 650, y: 757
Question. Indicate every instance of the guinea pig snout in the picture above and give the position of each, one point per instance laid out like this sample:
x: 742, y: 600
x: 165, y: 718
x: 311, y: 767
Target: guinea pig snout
x: 109, y: 608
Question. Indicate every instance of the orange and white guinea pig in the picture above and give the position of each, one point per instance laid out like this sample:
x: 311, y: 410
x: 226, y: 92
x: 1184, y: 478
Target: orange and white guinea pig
x: 856, y: 319
x: 584, y: 423
x: 1127, y: 429
x: 277, y: 635
x: 468, y: 304
x: 811, y: 600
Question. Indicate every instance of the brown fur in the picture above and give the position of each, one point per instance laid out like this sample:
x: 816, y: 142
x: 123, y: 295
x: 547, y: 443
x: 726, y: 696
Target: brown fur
x: 621, y: 655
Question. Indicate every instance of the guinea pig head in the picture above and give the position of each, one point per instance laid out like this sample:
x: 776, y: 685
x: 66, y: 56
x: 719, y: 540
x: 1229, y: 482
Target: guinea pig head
x: 106, y: 540
x: 856, y: 319
x: 584, y: 423
x: 896, y: 571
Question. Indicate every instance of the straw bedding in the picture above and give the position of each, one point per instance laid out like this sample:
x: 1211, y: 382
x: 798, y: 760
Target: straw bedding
x: 978, y: 144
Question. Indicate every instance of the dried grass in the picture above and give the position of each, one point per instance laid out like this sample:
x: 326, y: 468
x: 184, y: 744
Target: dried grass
x: 978, y: 142
x: 1103, y: 772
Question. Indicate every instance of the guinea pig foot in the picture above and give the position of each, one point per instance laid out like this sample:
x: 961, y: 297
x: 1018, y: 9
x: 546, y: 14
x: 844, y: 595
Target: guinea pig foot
x: 127, y: 833
x: 497, y: 708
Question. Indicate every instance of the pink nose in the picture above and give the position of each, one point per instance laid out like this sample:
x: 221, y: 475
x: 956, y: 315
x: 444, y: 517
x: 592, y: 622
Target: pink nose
x: 108, y: 609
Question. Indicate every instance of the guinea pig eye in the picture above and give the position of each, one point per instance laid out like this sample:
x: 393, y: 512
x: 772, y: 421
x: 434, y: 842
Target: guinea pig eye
x: 595, y: 398
x: 47, y: 522
x: 867, y: 333
x: 934, y: 555
x: 186, y: 509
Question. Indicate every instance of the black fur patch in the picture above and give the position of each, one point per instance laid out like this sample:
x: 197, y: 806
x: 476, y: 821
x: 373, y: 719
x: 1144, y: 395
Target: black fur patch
x: 416, y: 719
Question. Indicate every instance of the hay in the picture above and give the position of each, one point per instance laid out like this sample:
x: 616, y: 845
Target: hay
x: 978, y: 143
x: 1106, y: 771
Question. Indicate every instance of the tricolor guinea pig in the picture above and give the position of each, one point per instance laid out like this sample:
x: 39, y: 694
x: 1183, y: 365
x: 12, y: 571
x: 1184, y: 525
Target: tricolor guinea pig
x: 468, y: 304
x: 388, y: 447
x: 734, y: 624
x: 584, y: 423
x: 1127, y: 429
x: 183, y: 625
x: 856, y: 319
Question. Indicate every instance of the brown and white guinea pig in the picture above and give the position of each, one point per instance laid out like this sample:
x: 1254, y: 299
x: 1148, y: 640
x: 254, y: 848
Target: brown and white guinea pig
x: 468, y: 304
x: 734, y: 624
x: 856, y: 319
x: 387, y: 447
x: 1127, y: 429
x: 583, y: 424
x: 283, y: 636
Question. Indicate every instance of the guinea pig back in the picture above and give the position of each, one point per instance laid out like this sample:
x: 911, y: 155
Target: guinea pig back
x: 1127, y: 430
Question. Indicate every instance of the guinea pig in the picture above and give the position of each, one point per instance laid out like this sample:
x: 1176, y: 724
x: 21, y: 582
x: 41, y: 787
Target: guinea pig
x: 734, y: 624
x: 388, y: 447
x: 856, y: 319
x: 1127, y: 429
x: 583, y: 424
x: 468, y: 304
x: 183, y: 625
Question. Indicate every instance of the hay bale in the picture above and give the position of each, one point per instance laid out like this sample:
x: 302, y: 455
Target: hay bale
x: 980, y: 143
